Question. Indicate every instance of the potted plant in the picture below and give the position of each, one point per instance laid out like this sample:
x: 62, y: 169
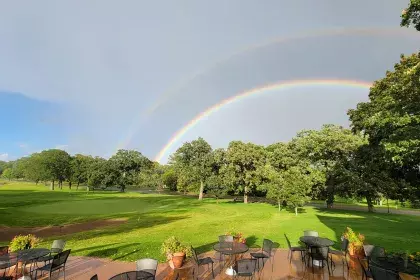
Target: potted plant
x: 237, y: 236
x: 356, y: 241
x: 23, y: 242
x: 175, y: 251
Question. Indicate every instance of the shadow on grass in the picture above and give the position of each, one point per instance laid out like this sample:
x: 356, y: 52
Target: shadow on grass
x: 386, y: 230
x: 147, y: 220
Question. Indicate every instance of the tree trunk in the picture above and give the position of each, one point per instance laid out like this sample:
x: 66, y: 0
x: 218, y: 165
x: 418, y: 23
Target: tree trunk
x: 387, y: 204
x: 278, y: 202
x: 296, y: 211
x: 52, y: 185
x: 69, y: 185
x: 77, y: 186
x: 200, y: 195
x: 246, y: 194
x: 217, y: 200
x: 369, y: 203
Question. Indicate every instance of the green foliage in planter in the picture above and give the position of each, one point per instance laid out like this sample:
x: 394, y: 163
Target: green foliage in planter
x: 173, y: 245
x: 22, y: 242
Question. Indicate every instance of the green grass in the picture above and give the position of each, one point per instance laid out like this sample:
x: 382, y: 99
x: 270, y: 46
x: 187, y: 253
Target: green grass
x: 153, y: 218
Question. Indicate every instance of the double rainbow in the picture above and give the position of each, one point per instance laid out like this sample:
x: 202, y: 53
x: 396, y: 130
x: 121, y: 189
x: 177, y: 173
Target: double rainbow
x: 259, y: 90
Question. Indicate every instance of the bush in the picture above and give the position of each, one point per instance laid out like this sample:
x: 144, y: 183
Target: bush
x: 22, y: 242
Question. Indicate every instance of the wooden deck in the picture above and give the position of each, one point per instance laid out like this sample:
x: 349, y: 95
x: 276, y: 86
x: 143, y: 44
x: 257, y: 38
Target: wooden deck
x: 81, y: 268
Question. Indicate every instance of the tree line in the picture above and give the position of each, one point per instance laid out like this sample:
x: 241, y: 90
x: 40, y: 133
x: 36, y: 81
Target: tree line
x: 378, y: 157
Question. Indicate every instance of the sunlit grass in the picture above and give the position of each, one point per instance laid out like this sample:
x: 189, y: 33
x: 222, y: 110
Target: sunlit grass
x: 152, y: 218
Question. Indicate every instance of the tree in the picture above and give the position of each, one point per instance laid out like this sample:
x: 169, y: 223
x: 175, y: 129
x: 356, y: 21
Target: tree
x: 57, y: 165
x: 8, y: 174
x: 242, y: 162
x: 324, y: 149
x: 96, y: 172
x: 366, y: 174
x: 152, y: 177
x: 79, y: 169
x: 124, y: 166
x: 36, y: 169
x: 3, y: 166
x: 411, y: 15
x: 288, y: 178
x: 193, y: 158
x: 170, y: 178
x: 391, y: 117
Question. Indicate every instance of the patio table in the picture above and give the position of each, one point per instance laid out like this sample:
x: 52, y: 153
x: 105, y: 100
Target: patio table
x: 316, y: 242
x: 312, y: 241
x: 133, y: 275
x: 231, y: 249
x: 397, y: 265
x: 24, y: 256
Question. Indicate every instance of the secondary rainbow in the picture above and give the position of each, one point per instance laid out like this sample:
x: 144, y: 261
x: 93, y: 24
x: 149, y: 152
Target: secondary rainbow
x: 165, y: 96
x: 259, y: 90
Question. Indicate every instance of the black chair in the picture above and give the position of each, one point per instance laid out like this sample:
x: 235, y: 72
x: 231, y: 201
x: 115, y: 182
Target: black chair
x: 199, y: 262
x: 366, y: 274
x: 319, y: 254
x: 245, y: 268
x: 147, y: 265
x: 56, y: 247
x: 380, y: 273
x: 265, y: 252
x: 292, y: 249
x: 342, y: 253
x: 225, y: 241
x: 94, y: 277
x: 58, y: 262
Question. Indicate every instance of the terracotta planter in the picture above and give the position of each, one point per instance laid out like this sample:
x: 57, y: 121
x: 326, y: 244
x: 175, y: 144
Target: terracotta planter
x: 178, y: 259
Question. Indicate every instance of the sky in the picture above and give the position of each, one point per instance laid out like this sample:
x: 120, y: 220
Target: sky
x: 95, y: 76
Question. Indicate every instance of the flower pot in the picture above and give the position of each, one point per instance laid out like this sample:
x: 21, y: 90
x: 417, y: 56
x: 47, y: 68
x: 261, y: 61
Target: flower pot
x: 178, y: 259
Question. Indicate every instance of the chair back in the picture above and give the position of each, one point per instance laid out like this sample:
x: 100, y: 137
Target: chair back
x: 379, y: 273
x: 288, y: 241
x: 246, y: 267
x: 194, y: 255
x: 59, y: 260
x: 4, y: 250
x: 267, y: 246
x: 377, y: 252
x: 310, y: 233
x: 58, y: 246
x: 148, y: 265
x: 345, y: 245
x: 94, y: 277
x: 225, y: 238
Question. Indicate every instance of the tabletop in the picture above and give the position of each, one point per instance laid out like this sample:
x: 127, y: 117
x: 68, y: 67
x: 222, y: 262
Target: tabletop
x: 230, y: 248
x: 31, y: 254
x: 133, y: 275
x: 397, y: 265
x: 313, y: 241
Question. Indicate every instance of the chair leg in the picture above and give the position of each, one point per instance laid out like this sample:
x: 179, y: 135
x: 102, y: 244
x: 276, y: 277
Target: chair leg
x: 212, y: 270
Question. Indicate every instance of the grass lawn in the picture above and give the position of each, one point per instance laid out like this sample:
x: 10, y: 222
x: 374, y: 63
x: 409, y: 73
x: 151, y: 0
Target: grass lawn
x: 152, y: 218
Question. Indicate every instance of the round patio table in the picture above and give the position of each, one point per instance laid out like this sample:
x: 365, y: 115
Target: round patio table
x: 231, y: 248
x: 397, y: 265
x: 133, y: 275
x: 313, y: 241
x: 29, y: 255
x: 316, y: 242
